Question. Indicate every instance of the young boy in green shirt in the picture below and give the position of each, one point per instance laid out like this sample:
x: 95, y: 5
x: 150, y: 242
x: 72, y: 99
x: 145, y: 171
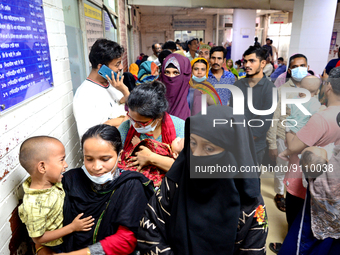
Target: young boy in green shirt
x: 43, y: 157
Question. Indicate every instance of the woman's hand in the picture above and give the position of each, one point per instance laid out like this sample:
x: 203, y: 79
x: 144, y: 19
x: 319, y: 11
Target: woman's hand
x: 142, y: 158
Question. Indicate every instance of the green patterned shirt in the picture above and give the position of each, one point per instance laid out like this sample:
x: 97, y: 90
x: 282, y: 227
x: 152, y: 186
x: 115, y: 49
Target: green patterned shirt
x: 42, y: 210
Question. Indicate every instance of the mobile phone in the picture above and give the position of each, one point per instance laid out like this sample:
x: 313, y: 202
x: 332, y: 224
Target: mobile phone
x: 104, y: 70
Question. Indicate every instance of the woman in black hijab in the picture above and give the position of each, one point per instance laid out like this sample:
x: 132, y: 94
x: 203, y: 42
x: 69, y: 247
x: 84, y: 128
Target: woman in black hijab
x: 206, y: 205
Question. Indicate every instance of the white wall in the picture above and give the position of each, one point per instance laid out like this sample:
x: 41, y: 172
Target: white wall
x: 49, y: 114
x: 243, y: 32
x: 162, y: 23
x: 311, y: 31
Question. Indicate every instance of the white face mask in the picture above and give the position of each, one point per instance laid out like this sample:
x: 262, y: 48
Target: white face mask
x: 298, y: 73
x: 101, y: 179
x: 144, y: 130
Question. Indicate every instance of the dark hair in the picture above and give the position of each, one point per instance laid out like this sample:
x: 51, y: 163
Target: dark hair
x: 267, y: 39
x: 201, y: 61
x: 238, y: 62
x: 309, y: 162
x: 149, y: 100
x: 169, y: 45
x: 218, y: 49
x: 201, y: 39
x: 107, y: 133
x: 185, y: 46
x: 311, y: 72
x: 296, y: 56
x: 334, y: 80
x: 280, y: 58
x: 256, y: 39
x: 163, y: 55
x: 30, y: 152
x: 191, y: 40
x: 103, y: 51
x: 261, y: 53
x: 144, y: 58
x: 271, y: 41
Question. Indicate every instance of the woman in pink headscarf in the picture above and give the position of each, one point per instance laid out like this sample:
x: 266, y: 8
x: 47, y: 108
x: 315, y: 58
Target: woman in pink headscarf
x: 176, y: 73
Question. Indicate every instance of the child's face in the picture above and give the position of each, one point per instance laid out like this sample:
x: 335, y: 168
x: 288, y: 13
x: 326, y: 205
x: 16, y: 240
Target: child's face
x: 99, y: 156
x: 55, y: 165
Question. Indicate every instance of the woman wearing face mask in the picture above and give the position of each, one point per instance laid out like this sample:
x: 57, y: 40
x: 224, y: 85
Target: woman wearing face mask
x: 199, y: 85
x: 148, y: 119
x: 202, y: 212
x: 116, y: 199
x: 176, y: 73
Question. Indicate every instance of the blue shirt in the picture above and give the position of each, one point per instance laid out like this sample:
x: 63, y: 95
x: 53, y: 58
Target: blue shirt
x: 331, y: 64
x: 226, y: 78
x: 279, y: 70
x: 178, y: 123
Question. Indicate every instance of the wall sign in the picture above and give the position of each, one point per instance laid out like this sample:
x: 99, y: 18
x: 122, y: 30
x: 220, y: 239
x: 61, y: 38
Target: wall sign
x: 189, y: 23
x: 279, y: 18
x: 25, y: 64
x: 94, y: 26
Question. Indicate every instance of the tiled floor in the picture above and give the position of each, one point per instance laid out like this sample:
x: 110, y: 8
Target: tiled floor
x: 276, y: 218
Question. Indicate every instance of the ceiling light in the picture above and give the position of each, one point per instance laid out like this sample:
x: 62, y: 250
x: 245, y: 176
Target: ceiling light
x: 201, y: 8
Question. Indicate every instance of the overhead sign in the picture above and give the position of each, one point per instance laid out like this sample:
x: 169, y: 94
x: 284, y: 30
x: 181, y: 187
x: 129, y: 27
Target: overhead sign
x: 189, y: 24
x: 25, y: 65
x: 279, y: 18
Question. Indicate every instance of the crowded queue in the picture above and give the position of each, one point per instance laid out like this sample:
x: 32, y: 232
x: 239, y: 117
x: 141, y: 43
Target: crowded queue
x: 145, y: 133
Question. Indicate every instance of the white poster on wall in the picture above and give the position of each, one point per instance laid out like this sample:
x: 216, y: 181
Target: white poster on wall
x: 279, y: 18
x: 94, y: 25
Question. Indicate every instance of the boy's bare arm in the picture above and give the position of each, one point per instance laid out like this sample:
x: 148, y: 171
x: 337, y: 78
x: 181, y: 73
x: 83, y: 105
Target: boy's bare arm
x: 76, y: 225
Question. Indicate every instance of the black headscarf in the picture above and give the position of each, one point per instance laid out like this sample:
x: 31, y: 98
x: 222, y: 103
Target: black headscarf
x: 205, y: 212
x: 129, y: 81
x: 125, y: 207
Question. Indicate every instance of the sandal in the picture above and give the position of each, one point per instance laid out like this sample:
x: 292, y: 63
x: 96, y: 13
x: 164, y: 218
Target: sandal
x: 275, y: 247
x: 280, y: 202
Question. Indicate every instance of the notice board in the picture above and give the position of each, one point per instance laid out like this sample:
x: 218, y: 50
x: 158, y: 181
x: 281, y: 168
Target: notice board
x: 25, y: 64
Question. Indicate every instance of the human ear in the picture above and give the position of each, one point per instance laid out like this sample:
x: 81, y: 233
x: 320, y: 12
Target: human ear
x: 41, y: 166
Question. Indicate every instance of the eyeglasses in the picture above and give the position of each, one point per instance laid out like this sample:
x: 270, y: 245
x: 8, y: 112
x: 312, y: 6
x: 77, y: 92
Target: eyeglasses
x: 143, y: 124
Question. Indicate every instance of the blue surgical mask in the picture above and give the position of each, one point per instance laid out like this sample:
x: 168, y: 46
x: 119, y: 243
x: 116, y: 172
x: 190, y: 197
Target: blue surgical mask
x: 279, y: 65
x: 299, y: 73
x: 196, y: 79
x: 144, y: 130
x: 101, y: 179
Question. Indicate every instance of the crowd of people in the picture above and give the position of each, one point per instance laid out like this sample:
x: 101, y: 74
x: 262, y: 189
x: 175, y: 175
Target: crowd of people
x: 151, y: 137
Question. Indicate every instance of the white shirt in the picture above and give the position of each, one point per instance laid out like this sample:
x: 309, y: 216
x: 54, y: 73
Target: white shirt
x: 154, y: 58
x: 93, y: 104
x: 188, y: 55
x: 268, y: 69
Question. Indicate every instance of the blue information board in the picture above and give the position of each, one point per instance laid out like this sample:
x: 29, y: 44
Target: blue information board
x: 25, y: 64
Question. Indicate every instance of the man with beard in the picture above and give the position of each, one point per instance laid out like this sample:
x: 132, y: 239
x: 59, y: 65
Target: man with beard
x: 262, y: 90
x: 156, y: 48
x: 217, y: 75
x: 297, y: 70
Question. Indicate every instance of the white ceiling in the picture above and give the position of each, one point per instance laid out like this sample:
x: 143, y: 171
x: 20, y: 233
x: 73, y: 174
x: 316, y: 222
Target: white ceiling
x: 284, y: 5
x: 166, y: 10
